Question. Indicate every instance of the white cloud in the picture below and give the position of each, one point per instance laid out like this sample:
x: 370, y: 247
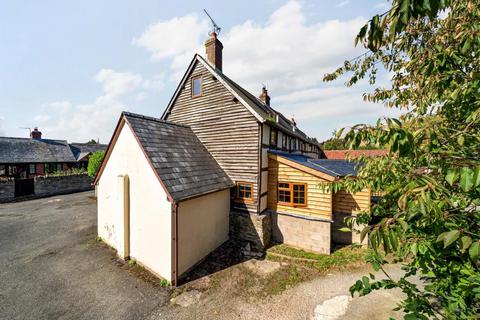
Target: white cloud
x: 97, y: 119
x: 289, y: 53
x: 2, y: 131
x: 342, y: 4
x: 381, y: 5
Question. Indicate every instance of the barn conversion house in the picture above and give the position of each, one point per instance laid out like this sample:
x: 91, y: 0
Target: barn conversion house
x: 219, y: 163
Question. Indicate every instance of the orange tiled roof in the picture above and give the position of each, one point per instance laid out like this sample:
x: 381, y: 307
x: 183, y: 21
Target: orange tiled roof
x: 342, y: 154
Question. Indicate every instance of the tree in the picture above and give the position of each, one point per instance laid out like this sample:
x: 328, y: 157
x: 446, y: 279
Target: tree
x: 94, y: 162
x: 92, y: 141
x: 429, y: 216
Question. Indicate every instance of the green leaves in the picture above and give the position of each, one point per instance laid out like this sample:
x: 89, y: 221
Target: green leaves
x: 448, y: 237
x: 474, y: 251
x: 428, y: 215
x: 466, y: 179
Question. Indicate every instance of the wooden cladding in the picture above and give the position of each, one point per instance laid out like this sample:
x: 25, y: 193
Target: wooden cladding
x: 318, y: 203
x: 346, y: 202
x: 227, y: 129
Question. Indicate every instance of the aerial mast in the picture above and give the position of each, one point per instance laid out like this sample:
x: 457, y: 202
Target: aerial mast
x: 216, y: 28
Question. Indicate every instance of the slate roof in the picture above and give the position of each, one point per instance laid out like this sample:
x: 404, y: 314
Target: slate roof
x: 80, y: 150
x: 335, y: 168
x: 26, y: 150
x: 265, y: 111
x: 181, y: 161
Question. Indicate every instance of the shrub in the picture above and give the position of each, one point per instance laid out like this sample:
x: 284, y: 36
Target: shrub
x: 94, y: 162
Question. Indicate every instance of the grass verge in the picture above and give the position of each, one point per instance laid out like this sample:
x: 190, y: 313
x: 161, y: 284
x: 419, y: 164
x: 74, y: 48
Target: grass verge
x: 301, y: 265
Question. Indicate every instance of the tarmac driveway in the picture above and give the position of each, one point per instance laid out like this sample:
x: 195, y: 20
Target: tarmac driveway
x: 51, y: 267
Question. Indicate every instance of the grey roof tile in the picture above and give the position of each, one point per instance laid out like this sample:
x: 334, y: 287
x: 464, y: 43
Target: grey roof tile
x: 26, y: 150
x: 181, y: 161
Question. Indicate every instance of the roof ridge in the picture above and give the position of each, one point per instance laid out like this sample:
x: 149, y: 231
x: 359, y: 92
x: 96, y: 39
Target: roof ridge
x: 31, y: 139
x: 141, y: 116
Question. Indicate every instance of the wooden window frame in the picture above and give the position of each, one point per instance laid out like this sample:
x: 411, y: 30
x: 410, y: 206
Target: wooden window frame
x: 290, y: 189
x: 272, y: 130
x: 237, y: 191
x: 201, y: 86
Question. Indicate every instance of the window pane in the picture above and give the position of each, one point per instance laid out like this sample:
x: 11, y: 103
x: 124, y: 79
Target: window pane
x: 2, y: 170
x: 197, y: 85
x: 299, y: 194
x: 283, y: 185
x: 31, y: 168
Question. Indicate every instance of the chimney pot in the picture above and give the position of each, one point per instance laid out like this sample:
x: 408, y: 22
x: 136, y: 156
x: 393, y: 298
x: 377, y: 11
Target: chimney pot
x: 213, y: 49
x: 35, y: 134
x: 264, y: 97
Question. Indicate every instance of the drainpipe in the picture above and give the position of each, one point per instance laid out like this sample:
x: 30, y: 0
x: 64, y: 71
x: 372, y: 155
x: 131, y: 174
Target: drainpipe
x: 175, y: 243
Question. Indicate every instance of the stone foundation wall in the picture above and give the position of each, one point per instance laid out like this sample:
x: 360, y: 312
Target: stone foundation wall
x: 53, y: 185
x: 7, y: 190
x: 306, y: 233
x: 251, y: 227
x: 341, y: 237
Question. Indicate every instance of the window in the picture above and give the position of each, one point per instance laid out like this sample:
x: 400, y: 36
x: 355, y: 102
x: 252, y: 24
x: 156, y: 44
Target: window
x: 292, y: 194
x: 12, y: 170
x: 273, y: 137
x: 2, y: 170
x: 59, y: 167
x: 196, y: 87
x: 245, y: 190
x: 31, y: 168
x: 284, y: 142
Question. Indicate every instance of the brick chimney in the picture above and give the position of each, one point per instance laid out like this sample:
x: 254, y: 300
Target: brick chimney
x: 213, y: 49
x: 35, y: 134
x: 264, y: 97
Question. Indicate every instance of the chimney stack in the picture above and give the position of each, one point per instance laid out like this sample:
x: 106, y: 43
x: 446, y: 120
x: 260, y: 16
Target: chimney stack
x: 35, y: 134
x: 213, y: 49
x: 264, y: 96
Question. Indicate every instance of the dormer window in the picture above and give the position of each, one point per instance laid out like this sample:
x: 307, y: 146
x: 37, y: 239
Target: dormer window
x: 196, y: 87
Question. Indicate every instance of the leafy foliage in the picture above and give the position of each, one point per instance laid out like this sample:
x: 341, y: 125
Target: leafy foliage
x: 94, y: 162
x: 429, y: 215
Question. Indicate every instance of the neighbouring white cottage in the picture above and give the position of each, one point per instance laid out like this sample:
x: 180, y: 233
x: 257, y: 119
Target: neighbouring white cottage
x: 162, y: 198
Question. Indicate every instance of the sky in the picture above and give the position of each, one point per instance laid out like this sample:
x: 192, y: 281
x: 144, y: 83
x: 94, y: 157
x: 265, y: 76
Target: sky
x: 70, y: 67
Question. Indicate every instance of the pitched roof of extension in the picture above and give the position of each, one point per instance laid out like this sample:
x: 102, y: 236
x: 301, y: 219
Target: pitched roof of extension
x: 259, y: 110
x: 27, y: 150
x: 334, y: 168
x: 181, y: 162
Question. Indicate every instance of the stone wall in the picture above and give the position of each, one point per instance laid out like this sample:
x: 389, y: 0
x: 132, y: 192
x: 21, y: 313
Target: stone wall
x: 7, y: 190
x: 310, y: 234
x: 251, y: 227
x: 53, y: 185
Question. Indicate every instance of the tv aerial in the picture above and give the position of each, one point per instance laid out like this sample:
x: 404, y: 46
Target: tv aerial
x: 216, y: 28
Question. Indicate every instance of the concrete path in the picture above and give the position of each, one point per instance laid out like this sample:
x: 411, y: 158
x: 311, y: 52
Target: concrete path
x: 51, y: 267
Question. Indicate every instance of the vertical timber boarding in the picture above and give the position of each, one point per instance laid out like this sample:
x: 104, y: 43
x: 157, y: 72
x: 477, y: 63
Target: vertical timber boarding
x: 126, y: 217
x: 227, y: 129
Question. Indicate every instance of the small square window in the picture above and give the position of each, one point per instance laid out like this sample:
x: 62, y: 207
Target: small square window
x: 244, y: 190
x: 196, y: 87
x: 292, y: 194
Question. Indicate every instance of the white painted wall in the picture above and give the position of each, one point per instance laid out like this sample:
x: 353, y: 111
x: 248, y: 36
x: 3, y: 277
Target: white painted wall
x: 266, y: 134
x: 150, y: 211
x: 202, y: 227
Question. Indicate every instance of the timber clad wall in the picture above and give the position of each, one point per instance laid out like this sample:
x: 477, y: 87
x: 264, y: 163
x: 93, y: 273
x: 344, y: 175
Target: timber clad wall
x: 351, y: 203
x: 319, y: 203
x: 226, y: 128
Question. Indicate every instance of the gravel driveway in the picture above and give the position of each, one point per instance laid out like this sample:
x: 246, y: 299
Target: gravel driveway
x: 51, y: 268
